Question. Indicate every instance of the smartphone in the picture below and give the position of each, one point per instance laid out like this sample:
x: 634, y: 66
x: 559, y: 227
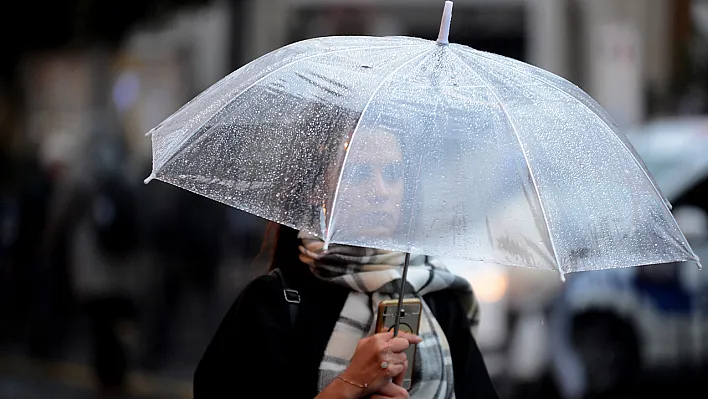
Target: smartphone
x: 411, y: 312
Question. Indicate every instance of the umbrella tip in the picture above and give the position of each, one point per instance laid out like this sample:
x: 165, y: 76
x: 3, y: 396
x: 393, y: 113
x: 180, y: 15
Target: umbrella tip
x: 562, y: 276
x: 445, y: 24
x: 699, y: 265
x: 150, y: 178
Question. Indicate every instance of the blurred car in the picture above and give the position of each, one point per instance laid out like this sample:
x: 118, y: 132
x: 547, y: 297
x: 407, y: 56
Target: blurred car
x: 614, y: 324
x: 662, y: 304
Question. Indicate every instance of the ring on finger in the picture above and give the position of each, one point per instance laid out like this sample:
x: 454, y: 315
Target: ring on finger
x: 384, y: 364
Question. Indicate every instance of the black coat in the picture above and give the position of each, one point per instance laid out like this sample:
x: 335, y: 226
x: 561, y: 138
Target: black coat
x: 257, y: 353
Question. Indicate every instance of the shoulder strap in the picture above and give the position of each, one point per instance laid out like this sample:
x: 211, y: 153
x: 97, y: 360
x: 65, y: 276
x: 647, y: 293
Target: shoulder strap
x: 292, y: 297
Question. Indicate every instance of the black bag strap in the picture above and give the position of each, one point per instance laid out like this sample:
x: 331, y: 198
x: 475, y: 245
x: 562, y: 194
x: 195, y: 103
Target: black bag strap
x: 292, y: 297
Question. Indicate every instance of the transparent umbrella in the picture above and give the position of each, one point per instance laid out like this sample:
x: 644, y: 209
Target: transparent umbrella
x: 422, y: 146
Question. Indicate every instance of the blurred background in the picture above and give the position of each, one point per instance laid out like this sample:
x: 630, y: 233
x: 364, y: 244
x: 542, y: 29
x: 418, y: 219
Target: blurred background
x: 82, y: 81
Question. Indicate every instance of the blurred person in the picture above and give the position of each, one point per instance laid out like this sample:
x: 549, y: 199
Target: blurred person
x: 25, y: 186
x: 98, y: 216
x: 8, y: 227
x: 40, y: 272
x: 35, y: 189
x: 103, y: 248
x: 596, y: 349
x: 609, y: 349
x: 330, y: 350
x: 186, y: 239
x: 9, y: 221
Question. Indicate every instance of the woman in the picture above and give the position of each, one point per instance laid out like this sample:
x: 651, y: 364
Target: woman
x: 325, y: 346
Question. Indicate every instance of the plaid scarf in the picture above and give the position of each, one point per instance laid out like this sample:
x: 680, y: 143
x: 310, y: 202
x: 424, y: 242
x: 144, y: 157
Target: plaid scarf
x: 374, y: 275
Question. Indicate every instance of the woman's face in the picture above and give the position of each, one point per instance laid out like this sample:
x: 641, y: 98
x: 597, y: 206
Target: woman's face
x: 372, y: 185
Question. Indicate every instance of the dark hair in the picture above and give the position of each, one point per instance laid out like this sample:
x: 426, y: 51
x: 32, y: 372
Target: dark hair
x: 280, y: 244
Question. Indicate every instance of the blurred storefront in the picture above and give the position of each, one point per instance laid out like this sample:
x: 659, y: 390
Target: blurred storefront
x: 621, y: 52
x: 159, y: 68
x: 626, y: 53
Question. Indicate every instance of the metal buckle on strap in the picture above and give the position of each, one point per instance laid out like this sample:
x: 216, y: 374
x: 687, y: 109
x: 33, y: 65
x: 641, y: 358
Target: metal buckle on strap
x: 291, y: 296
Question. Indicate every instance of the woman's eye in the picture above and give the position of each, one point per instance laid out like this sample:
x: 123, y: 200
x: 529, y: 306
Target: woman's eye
x: 393, y: 173
x: 359, y: 173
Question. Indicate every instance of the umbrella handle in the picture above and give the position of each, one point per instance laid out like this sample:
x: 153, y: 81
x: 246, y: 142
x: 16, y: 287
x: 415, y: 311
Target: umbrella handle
x: 445, y: 24
x: 402, y: 289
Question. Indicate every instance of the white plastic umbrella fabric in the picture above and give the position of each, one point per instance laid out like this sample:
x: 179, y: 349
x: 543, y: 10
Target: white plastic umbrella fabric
x: 420, y: 146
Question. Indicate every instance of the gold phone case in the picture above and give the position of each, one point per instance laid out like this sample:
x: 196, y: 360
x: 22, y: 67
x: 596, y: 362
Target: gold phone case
x: 410, y: 323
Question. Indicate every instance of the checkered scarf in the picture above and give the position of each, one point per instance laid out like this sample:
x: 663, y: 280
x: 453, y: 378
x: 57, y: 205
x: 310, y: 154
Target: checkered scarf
x: 374, y: 275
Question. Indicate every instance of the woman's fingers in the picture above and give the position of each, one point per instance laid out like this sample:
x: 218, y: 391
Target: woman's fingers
x: 392, y: 390
x: 393, y: 370
x: 398, y: 380
x: 377, y: 352
x: 396, y: 358
x: 412, y: 338
x: 397, y: 345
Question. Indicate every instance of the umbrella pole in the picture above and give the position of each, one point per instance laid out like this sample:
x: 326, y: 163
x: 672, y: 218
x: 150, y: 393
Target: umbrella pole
x: 401, y: 293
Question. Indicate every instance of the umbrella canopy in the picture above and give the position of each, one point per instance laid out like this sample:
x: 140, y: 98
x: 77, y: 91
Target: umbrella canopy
x: 422, y: 146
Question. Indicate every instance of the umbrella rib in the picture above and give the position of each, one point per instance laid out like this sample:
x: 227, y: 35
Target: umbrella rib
x: 663, y: 199
x: 614, y: 134
x: 523, y: 152
x: 267, y: 75
x: 328, y: 227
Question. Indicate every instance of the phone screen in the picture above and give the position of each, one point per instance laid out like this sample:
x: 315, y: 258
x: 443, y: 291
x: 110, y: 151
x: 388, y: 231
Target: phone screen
x: 410, y: 323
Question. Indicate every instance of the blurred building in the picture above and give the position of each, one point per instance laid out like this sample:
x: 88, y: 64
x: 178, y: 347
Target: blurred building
x: 620, y: 51
x: 625, y: 53
x: 638, y: 58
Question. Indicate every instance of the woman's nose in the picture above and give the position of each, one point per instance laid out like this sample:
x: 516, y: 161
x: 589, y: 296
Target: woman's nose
x: 381, y: 188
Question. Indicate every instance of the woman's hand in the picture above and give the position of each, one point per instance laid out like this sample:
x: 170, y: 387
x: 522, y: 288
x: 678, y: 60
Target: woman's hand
x: 365, y: 376
x: 371, y: 352
x: 393, y: 390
